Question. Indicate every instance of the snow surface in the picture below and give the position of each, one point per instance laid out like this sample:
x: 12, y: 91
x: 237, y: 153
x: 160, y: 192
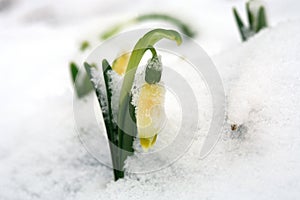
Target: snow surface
x: 261, y: 159
x: 41, y: 156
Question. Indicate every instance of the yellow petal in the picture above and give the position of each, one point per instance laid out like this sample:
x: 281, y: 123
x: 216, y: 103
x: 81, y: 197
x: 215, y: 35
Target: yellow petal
x: 146, y: 143
x: 120, y: 64
x: 150, y: 113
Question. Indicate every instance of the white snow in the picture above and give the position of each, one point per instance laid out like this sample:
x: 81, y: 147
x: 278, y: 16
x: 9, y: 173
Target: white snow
x: 115, y: 85
x: 98, y: 82
x: 260, y: 159
x: 41, y: 156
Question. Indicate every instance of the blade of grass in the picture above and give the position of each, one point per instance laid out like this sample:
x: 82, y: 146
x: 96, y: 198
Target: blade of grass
x: 106, y: 68
x: 74, y: 71
x: 250, y: 17
x: 240, y: 24
x: 261, y: 19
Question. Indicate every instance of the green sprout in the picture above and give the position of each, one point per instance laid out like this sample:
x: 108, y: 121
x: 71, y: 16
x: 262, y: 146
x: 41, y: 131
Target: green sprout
x: 121, y: 141
x: 257, y: 21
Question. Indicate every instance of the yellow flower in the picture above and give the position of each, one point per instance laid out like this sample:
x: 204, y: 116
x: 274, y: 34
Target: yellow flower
x: 150, y: 114
x: 120, y: 64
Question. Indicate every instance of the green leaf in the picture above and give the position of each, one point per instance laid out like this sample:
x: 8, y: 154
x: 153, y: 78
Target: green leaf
x: 240, y: 24
x: 106, y: 68
x: 83, y: 85
x: 74, y: 71
x: 111, y: 129
x: 256, y: 22
x: 183, y: 27
x: 250, y: 17
x: 261, y: 19
x: 84, y: 45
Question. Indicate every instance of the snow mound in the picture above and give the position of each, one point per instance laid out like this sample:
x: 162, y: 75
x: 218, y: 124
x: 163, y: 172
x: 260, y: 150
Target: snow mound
x: 261, y: 158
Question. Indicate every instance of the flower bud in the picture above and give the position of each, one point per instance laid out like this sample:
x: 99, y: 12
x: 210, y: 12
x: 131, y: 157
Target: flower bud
x: 153, y: 70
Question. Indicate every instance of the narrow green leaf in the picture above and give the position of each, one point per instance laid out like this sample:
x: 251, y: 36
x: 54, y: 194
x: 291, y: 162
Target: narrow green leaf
x: 83, y: 85
x: 261, y: 19
x: 74, y: 71
x: 250, y: 17
x: 106, y: 68
x: 240, y: 24
x: 84, y: 45
x: 111, y: 128
x: 183, y: 27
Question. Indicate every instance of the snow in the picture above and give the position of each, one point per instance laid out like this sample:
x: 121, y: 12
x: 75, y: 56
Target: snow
x: 98, y: 82
x: 139, y: 80
x: 259, y: 160
x: 115, y: 86
x: 41, y: 156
